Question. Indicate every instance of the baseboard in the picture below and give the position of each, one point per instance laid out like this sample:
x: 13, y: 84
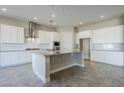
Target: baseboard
x: 65, y: 67
x: 61, y: 68
x: 79, y: 65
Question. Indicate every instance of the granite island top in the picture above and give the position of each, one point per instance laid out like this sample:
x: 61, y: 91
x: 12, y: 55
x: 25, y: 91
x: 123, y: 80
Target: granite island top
x: 57, y: 52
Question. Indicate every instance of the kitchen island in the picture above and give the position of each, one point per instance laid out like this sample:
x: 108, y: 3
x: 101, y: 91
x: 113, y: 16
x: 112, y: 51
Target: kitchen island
x: 47, y: 62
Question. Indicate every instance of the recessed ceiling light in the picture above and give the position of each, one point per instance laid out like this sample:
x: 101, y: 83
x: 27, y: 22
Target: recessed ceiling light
x: 53, y: 15
x: 35, y: 18
x: 81, y: 23
x: 4, y: 9
x: 102, y: 16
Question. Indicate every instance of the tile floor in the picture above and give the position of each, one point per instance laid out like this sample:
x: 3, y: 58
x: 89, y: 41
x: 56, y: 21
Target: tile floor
x: 92, y: 75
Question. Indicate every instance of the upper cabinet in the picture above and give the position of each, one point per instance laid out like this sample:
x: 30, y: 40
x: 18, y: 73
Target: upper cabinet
x: 55, y: 36
x: 108, y: 35
x: 44, y: 37
x: 48, y: 37
x: 66, y: 40
x: 11, y: 34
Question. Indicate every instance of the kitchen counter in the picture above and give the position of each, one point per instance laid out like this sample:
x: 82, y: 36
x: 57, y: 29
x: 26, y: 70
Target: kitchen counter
x: 23, y: 50
x: 46, y: 62
x: 55, y: 52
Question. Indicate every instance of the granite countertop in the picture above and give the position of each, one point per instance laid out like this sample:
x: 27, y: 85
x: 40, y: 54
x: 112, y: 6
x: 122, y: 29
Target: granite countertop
x: 22, y: 50
x: 57, y: 52
x: 18, y: 50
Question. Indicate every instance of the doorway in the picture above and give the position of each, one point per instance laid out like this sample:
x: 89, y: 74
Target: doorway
x: 85, y: 47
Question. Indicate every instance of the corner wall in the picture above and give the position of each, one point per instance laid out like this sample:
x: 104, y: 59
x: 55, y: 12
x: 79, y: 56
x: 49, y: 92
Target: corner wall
x: 103, y: 24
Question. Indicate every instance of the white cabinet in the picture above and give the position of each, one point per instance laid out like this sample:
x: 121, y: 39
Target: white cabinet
x: 114, y: 35
x: 20, y: 35
x: 98, y: 36
x: 15, y: 58
x: 8, y: 58
x: 114, y: 58
x: 11, y: 34
x: 5, y: 34
x: 55, y: 36
x: 108, y: 35
x: 25, y: 57
x: 66, y: 40
x: 21, y: 57
x: 97, y: 56
x: 28, y: 57
x: 48, y: 37
x: 44, y: 37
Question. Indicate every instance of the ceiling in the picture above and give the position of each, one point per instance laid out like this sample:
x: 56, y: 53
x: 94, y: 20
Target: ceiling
x: 65, y: 15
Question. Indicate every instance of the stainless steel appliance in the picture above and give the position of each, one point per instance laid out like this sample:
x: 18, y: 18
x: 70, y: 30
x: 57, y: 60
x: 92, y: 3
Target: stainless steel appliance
x: 32, y: 30
x: 56, y: 45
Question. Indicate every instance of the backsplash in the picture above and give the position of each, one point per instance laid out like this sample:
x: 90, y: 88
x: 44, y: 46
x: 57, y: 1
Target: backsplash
x: 7, y: 47
x: 111, y: 46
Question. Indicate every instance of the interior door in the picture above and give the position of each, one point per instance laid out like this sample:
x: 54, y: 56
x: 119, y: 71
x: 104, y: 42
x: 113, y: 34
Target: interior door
x: 81, y: 44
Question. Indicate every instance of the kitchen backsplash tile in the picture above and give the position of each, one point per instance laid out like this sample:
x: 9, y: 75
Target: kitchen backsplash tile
x: 7, y: 47
x: 111, y: 46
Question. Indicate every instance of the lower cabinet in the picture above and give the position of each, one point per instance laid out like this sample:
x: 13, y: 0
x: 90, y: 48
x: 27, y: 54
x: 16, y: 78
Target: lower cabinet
x: 114, y: 58
x: 8, y: 59
x: 28, y: 57
x: 21, y: 56
x: 14, y: 58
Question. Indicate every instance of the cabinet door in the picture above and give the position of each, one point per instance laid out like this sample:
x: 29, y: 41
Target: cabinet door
x: 66, y: 40
x: 114, y: 35
x: 118, y: 35
x: 98, y: 36
x: 5, y: 34
x: 13, y: 34
x: 21, y: 57
x: 108, y: 35
x: 41, y: 36
x: 20, y: 35
x: 55, y: 36
x: 44, y: 37
x: 114, y: 58
x: 97, y: 56
x: 28, y: 57
x: 8, y: 59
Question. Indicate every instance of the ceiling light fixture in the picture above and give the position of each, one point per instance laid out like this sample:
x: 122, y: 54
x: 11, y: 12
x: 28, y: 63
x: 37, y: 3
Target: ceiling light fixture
x: 102, y: 17
x: 35, y: 18
x: 81, y: 23
x: 4, y: 9
x: 53, y: 15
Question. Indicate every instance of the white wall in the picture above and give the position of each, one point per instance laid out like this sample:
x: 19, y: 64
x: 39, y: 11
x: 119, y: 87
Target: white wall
x: 83, y: 34
x: 102, y: 24
x: 86, y: 48
x: 66, y: 38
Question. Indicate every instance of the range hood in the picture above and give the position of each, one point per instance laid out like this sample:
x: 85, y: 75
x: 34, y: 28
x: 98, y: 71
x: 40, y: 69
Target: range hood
x: 31, y: 30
